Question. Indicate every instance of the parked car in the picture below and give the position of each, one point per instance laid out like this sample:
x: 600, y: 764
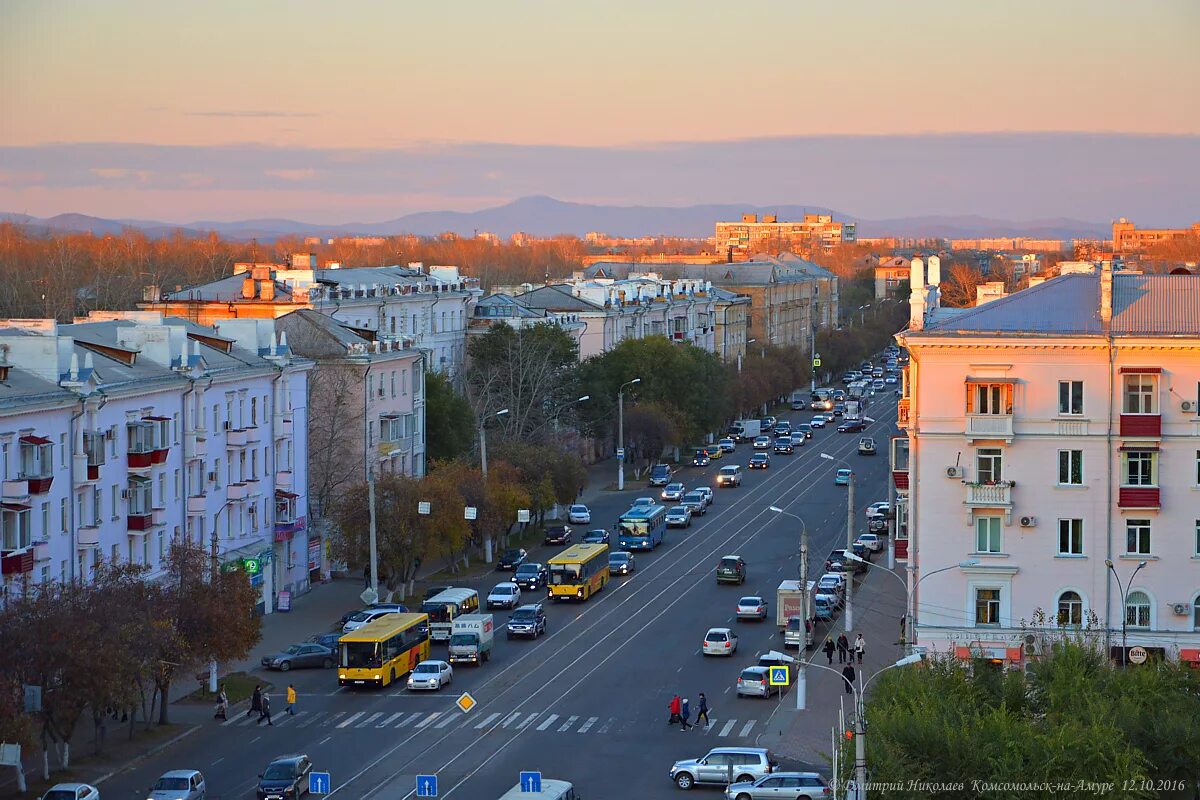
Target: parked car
x: 879, y: 508
x: 597, y: 536
x: 285, y: 778
x: 700, y: 458
x: 749, y: 763
x: 871, y: 541
x: 329, y: 640
x: 833, y: 583
x: 179, y: 784
x: 759, y: 461
x: 504, y: 595
x: 727, y: 445
x: 877, y: 524
x: 531, y: 575
x: 72, y: 791
x: 852, y: 426
x: 730, y: 476
x: 694, y: 500
x: 528, y: 620
x: 673, y: 491
x: 761, y: 442
x: 579, y: 514
x: 512, y: 559
x: 370, y: 614
x: 719, y: 642
x: 679, y: 517
x: 866, y: 446
x: 783, y: 445
x: 557, y: 534
x: 431, y: 675
x: 300, y: 656
x: 752, y: 607
x: 792, y: 785
x: 660, y: 475
x: 621, y: 562
x: 842, y: 477
x: 731, y: 569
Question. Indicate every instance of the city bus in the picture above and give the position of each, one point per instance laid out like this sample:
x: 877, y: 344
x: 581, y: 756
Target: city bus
x: 445, y: 606
x: 642, y: 528
x: 383, y: 651
x: 579, y: 571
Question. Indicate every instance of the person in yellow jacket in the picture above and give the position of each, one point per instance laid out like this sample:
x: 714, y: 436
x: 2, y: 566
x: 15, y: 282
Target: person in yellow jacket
x: 291, y: 700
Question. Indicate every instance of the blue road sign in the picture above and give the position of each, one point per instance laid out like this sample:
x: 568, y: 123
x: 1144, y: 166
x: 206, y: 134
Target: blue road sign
x: 531, y: 782
x: 318, y: 783
x: 427, y: 786
x: 778, y: 676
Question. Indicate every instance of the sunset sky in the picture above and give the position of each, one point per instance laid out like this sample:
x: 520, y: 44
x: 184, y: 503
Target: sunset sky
x: 223, y: 110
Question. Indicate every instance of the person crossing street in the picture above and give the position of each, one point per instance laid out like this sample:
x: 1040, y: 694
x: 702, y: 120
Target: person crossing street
x: 702, y: 712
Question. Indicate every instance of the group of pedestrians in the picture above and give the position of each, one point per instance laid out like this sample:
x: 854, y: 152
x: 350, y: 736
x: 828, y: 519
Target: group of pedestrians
x: 260, y: 702
x: 681, y: 712
x: 846, y: 653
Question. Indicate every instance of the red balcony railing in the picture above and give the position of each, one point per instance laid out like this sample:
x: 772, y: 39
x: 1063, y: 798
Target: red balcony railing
x: 1149, y: 425
x: 1138, y: 497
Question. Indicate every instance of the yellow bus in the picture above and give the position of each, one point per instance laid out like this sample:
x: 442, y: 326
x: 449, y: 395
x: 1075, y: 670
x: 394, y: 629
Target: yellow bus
x: 381, y: 651
x: 579, y: 571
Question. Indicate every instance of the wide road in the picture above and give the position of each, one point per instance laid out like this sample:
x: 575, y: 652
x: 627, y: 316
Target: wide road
x: 588, y: 702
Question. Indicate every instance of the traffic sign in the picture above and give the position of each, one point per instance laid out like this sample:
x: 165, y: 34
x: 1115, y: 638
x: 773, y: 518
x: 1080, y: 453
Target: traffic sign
x: 531, y: 782
x: 466, y: 702
x: 427, y: 786
x: 621, y: 453
x: 318, y: 783
x: 470, y: 512
x: 779, y: 676
x: 423, y: 508
x: 369, y: 596
x: 817, y: 361
x: 523, y: 515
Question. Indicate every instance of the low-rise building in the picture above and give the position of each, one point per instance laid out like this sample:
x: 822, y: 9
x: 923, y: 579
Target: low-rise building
x: 1128, y: 238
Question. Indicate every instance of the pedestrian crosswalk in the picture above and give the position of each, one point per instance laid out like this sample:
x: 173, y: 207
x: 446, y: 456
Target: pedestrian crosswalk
x: 514, y: 721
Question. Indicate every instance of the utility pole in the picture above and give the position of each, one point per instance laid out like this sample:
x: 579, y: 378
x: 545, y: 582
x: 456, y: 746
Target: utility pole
x: 806, y: 612
x: 860, y: 744
x: 621, y: 432
x: 487, y: 539
x: 850, y: 549
x: 374, y: 588
x: 816, y: 362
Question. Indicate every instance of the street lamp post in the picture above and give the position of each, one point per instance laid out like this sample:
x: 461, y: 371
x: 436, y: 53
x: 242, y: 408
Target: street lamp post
x: 849, y: 539
x: 568, y: 405
x: 621, y: 432
x: 1124, y: 609
x: 740, y: 352
x: 487, y: 539
x: 801, y: 676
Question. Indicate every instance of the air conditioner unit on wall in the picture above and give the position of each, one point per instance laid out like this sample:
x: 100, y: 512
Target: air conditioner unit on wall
x: 954, y: 472
x: 1187, y: 405
x: 1028, y: 522
x: 1181, y: 609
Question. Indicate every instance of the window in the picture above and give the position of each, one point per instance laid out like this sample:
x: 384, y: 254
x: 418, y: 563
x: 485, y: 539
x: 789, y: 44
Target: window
x: 1070, y: 537
x: 989, y: 398
x: 1198, y: 467
x: 1137, y: 610
x: 987, y: 606
x: 1197, y: 537
x: 1137, y: 537
x: 988, y: 464
x: 1070, y: 467
x: 1070, y: 609
x: 1070, y: 397
x: 46, y: 521
x: 1196, y: 614
x: 62, y: 515
x: 1138, y: 468
x: 1140, y: 394
x: 987, y: 535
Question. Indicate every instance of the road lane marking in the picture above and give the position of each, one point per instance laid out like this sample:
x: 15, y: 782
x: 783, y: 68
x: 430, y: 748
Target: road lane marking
x: 369, y: 719
x: 408, y: 720
x: 510, y: 719
x: 351, y: 719
x: 746, y: 729
x: 728, y: 727
x: 218, y: 761
x: 548, y: 722
x: 488, y: 720
x: 604, y: 728
x: 528, y: 720
x: 390, y: 719
x: 566, y: 725
x: 450, y: 717
x: 587, y: 726
x: 323, y: 741
x: 429, y: 719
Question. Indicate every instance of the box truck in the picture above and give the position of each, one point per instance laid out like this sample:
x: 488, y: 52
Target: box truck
x: 471, y: 637
x: 792, y: 602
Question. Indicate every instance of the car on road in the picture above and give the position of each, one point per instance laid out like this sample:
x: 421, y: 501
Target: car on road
x: 731, y: 569
x: 755, y: 682
x: 761, y: 442
x: 579, y: 514
x: 727, y: 445
x: 871, y: 541
x: 285, y: 778
x: 866, y: 446
x: 660, y: 475
x: 673, y: 491
x: 557, y: 534
x: 643, y: 501
x: 695, y: 501
x: 72, y: 791
x: 729, y: 476
x: 792, y: 785
x: 833, y: 583
x: 531, y: 575
x: 768, y: 423
x: 783, y: 445
x: 179, y: 784
x: 818, y: 421
x: 774, y: 658
x: 852, y: 426
x: 504, y: 595
x: 300, y: 656
x: 842, y: 477
x: 511, y: 559
x: 877, y: 524
x: 891, y: 380
x: 707, y: 492
x: 621, y: 562
x: 878, y: 384
x: 759, y: 461
x: 679, y: 517
x: 824, y: 606
x: 839, y: 409
x: 713, y: 768
x: 829, y: 416
x: 528, y: 621
x: 804, y: 429
x: 370, y: 614
x: 783, y: 428
x: 714, y: 452
x: 752, y: 607
x: 838, y: 562
x: 431, y: 675
x: 719, y: 642
x: 598, y: 536
x: 700, y: 458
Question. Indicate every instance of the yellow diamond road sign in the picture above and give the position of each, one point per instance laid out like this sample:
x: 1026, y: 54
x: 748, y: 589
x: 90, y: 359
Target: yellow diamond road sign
x: 466, y: 702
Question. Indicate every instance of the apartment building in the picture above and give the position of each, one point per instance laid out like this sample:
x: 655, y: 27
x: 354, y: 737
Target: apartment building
x: 751, y: 235
x: 126, y: 432
x: 891, y: 275
x: 1049, y: 473
x: 1128, y: 238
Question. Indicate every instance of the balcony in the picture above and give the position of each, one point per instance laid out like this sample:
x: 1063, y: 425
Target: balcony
x: 990, y: 426
x: 253, y: 435
x: 283, y: 480
x: 253, y: 487
x: 88, y: 537
x: 989, y: 495
x: 902, y: 413
x: 283, y: 425
x: 140, y: 459
x: 158, y: 517
x: 141, y: 522
x: 235, y: 437
x: 1144, y: 425
x: 900, y: 479
x: 1138, y: 497
x: 39, y: 484
x: 17, y: 563
x: 236, y: 491
x: 41, y: 551
x: 159, y: 455
x: 286, y: 528
x: 15, y: 490
x: 195, y: 445
x: 197, y: 504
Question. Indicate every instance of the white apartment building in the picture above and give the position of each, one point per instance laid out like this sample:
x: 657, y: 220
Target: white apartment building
x: 1051, y: 466
x: 125, y: 432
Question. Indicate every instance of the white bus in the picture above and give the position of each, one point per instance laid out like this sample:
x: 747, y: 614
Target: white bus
x: 444, y: 607
x: 551, y: 790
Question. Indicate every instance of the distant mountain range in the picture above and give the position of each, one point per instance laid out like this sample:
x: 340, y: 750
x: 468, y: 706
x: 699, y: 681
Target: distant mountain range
x: 546, y: 216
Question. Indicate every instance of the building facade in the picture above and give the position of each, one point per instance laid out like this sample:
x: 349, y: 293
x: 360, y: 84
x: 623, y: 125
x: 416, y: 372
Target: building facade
x: 1128, y: 238
x: 751, y: 234
x: 1052, y: 453
x: 126, y: 432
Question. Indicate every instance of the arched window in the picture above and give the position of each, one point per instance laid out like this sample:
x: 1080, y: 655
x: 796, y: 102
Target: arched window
x: 1137, y: 610
x: 1070, y: 609
x: 1196, y: 614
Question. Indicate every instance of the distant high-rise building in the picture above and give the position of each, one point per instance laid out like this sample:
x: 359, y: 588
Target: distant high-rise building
x: 751, y: 234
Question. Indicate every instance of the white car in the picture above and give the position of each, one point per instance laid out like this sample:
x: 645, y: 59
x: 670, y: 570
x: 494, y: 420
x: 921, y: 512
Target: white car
x: 72, y: 791
x: 673, y: 491
x: 432, y: 675
x: 179, y: 784
x: 832, y: 582
x: 878, y: 509
x: 643, y: 501
x: 707, y: 492
x: 870, y: 541
x: 363, y: 617
x: 752, y: 607
x: 719, y: 642
x: 762, y: 442
x: 579, y: 515
x: 727, y: 445
x: 504, y: 595
x: 679, y: 517
x: 818, y: 421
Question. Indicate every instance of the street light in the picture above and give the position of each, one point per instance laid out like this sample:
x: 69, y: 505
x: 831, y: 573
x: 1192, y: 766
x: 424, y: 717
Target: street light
x: 1124, y: 609
x: 621, y: 432
x: 740, y: 352
x: 801, y: 677
x: 487, y: 539
x: 849, y: 538
x: 567, y: 404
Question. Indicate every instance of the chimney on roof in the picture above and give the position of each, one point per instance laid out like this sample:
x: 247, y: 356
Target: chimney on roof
x: 916, y: 298
x: 248, y: 291
x: 266, y: 290
x: 749, y: 217
x: 1106, y: 277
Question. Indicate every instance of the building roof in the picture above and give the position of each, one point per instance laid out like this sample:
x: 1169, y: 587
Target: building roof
x: 24, y: 390
x: 761, y: 270
x: 1143, y: 305
x: 556, y: 297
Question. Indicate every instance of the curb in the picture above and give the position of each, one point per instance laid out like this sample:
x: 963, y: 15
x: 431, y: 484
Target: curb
x: 153, y: 751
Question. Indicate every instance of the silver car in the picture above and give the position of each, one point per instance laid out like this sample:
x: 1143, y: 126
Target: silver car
x: 723, y: 764
x: 621, y: 562
x: 679, y: 517
x: 790, y: 785
x: 179, y: 784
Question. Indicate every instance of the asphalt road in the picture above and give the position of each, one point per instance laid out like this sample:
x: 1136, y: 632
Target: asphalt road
x: 588, y: 702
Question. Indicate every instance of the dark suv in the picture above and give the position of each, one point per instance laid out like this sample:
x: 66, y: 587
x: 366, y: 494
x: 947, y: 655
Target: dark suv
x: 557, y: 534
x: 285, y: 778
x: 529, y: 621
x: 660, y: 475
x: 531, y: 575
x: 731, y: 569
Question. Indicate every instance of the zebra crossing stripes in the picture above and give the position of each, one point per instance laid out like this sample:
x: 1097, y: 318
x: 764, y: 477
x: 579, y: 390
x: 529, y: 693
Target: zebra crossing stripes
x: 527, y: 720
x: 348, y: 720
x: 432, y: 716
x: 587, y: 726
x: 488, y: 720
x: 547, y: 722
x: 728, y: 727
x: 390, y: 719
x: 566, y: 726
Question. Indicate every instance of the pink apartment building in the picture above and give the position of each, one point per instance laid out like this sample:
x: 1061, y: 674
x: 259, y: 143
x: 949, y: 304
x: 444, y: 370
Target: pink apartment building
x: 1050, y: 434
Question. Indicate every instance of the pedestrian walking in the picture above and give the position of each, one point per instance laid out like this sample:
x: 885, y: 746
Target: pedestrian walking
x: 675, y: 707
x: 860, y: 647
x: 843, y: 648
x: 291, y: 700
x: 848, y: 677
x: 702, y: 711
x: 222, y: 705
x: 255, y: 701
x: 266, y: 710
x: 684, y: 714
x: 829, y: 648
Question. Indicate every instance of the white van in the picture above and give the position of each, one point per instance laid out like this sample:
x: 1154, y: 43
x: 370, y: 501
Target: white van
x: 551, y: 790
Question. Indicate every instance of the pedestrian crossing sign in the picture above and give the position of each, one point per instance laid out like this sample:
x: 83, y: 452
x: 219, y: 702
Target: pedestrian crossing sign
x: 778, y: 676
x: 466, y: 702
